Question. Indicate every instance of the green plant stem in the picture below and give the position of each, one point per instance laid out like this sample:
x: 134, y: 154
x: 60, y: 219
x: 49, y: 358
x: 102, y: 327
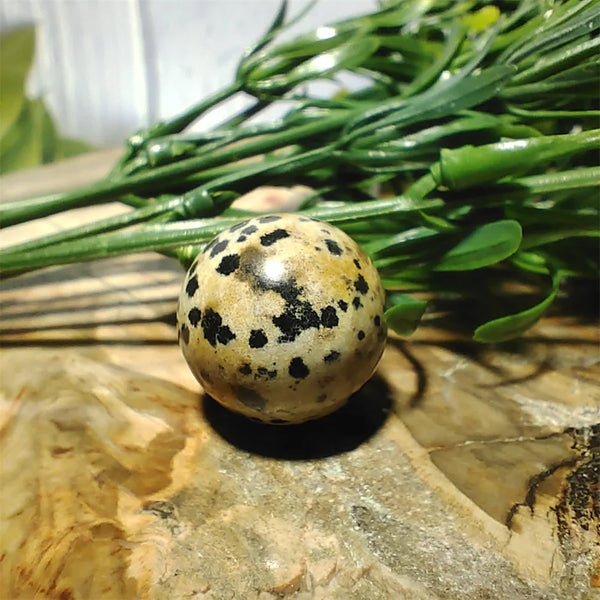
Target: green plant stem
x: 174, y: 125
x: 163, y: 236
x: 470, y: 166
x: 166, y: 210
x: 194, y: 204
x: 12, y: 213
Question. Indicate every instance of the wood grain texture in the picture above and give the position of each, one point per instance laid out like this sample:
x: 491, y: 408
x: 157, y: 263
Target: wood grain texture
x: 457, y: 472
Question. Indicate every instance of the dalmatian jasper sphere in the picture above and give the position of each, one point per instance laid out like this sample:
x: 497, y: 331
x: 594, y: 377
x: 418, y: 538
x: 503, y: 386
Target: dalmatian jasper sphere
x: 281, y: 318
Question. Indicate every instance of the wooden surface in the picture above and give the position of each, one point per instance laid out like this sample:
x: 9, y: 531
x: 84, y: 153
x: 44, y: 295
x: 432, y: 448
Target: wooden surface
x: 457, y: 472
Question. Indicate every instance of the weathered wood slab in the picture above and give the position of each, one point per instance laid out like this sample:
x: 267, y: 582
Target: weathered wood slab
x: 456, y: 473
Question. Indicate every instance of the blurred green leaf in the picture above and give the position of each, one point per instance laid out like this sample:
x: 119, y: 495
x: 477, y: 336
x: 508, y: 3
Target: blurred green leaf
x: 481, y: 19
x: 512, y: 326
x: 405, y: 314
x: 391, y: 245
x: 16, y: 55
x: 555, y: 33
x: 23, y: 144
x: 28, y: 137
x: 558, y: 61
x: 67, y: 147
x: 444, y: 98
x: 319, y: 41
x: 276, y: 25
x: 346, y: 56
x: 455, y: 37
x: 487, y: 245
x: 48, y: 133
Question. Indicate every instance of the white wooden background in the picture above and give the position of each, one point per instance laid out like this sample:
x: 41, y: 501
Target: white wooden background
x: 108, y: 67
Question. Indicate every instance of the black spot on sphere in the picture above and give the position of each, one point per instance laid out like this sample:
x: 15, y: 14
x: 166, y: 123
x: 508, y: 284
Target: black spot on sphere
x: 192, y: 286
x: 239, y: 225
x: 228, y: 264
x: 278, y: 422
x: 287, y: 289
x: 210, y: 245
x: 297, y: 368
x: 218, y: 248
x: 322, y: 398
x: 333, y: 247
x: 377, y: 321
x: 242, y: 238
x: 329, y: 317
x: 361, y: 335
x: 257, y: 338
x: 250, y: 229
x: 269, y: 219
x: 333, y: 356
x: 225, y: 335
x: 296, y: 318
x: 318, y: 249
x: 185, y: 334
x: 194, y: 316
x: 245, y: 369
x: 253, y: 271
x: 343, y: 305
x: 214, y: 330
x: 361, y: 285
x: 357, y: 263
x: 356, y: 302
x: 264, y: 373
x: 268, y: 239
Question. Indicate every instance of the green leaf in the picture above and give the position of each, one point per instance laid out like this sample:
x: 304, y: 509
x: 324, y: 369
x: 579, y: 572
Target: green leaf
x: 558, y: 61
x: 405, y: 314
x: 391, y: 245
x: 345, y: 56
x: 67, y: 147
x: 25, y: 142
x: 48, y: 133
x: 445, y: 98
x: 275, y: 26
x: 431, y: 73
x: 557, y: 234
x: 554, y: 33
x: 16, y: 55
x: 485, y: 246
x: 470, y: 166
x: 480, y: 20
x: 512, y: 326
x: 320, y: 40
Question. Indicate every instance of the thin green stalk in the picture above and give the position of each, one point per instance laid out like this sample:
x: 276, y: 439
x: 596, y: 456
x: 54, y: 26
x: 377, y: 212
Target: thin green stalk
x: 174, y: 125
x: 172, y: 235
x: 198, y: 202
x: 552, y: 114
x: 12, y: 213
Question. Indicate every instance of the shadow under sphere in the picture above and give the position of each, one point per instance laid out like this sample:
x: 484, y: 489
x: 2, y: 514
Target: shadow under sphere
x: 341, y: 431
